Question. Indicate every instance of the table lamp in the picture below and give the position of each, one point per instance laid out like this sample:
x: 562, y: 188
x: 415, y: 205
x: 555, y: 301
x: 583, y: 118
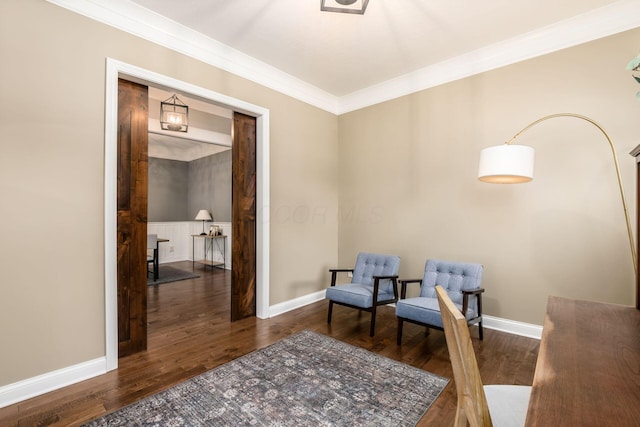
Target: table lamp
x: 203, y: 215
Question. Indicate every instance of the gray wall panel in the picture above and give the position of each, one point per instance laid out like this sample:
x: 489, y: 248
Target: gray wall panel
x: 168, y: 184
x: 178, y: 190
x: 210, y: 186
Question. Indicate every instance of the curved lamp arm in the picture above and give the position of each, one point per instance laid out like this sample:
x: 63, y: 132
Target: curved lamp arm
x: 514, y: 164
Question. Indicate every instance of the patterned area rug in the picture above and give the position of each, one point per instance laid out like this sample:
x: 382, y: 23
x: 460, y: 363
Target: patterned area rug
x: 167, y: 274
x: 307, y: 379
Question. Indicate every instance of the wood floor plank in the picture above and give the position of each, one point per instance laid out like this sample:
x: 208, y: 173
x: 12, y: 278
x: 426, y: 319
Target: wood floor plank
x: 190, y: 333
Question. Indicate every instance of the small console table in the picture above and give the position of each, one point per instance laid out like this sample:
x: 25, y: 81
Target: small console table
x: 209, y: 244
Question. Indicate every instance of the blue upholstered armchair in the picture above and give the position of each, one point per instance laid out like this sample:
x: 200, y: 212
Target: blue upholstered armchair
x: 374, y: 283
x: 460, y: 280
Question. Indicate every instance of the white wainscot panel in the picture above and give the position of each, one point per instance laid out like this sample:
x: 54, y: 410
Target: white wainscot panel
x: 178, y: 248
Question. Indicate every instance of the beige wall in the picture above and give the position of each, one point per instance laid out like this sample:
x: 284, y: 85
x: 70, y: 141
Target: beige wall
x: 52, y: 85
x: 408, y: 180
x: 402, y: 174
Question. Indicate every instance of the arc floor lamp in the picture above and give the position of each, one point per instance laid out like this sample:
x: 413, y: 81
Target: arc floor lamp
x: 511, y: 164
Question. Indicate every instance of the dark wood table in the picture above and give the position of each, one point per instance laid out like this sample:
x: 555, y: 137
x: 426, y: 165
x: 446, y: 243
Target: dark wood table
x: 588, y: 368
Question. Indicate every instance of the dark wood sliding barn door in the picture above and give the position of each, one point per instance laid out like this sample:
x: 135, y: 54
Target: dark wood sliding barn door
x: 243, y: 264
x: 132, y: 217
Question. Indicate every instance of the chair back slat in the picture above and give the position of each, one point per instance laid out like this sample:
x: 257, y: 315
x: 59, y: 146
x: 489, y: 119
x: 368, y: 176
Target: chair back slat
x: 472, y: 402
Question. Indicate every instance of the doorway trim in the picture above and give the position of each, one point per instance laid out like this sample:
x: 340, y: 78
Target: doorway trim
x: 130, y: 72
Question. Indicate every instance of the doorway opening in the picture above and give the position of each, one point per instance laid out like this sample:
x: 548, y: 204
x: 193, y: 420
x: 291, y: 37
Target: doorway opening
x: 117, y: 69
x: 189, y: 173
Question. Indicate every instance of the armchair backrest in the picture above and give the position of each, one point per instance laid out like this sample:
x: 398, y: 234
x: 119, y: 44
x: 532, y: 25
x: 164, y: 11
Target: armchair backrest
x: 453, y: 277
x: 369, y: 265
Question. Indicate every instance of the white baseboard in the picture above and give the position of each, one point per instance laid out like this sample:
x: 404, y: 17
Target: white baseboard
x: 283, y: 307
x: 169, y: 259
x: 35, y: 386
x: 490, y: 322
x: 512, y: 326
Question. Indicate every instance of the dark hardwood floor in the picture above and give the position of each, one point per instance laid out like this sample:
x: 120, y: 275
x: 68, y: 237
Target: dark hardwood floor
x: 190, y: 333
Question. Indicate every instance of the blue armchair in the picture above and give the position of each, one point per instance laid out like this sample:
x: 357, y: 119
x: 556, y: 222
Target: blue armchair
x: 460, y: 280
x: 374, y: 283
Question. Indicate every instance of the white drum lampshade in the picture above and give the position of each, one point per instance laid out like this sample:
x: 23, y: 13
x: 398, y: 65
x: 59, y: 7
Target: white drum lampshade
x: 506, y: 164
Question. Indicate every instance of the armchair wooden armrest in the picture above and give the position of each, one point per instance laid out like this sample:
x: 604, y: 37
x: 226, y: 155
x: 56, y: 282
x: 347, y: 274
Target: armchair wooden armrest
x: 473, y: 291
x: 376, y: 284
x: 335, y: 271
x: 385, y: 277
x: 403, y: 286
x: 465, y: 300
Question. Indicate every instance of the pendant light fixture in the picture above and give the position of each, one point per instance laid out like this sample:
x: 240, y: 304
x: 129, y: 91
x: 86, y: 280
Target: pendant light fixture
x: 174, y: 115
x: 344, y: 6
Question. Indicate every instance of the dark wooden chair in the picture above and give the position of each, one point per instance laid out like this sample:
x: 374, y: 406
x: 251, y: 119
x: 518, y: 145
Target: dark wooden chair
x: 152, y: 255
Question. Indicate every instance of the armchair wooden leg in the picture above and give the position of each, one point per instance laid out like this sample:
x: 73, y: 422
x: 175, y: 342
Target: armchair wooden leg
x: 373, y: 320
x: 399, y: 338
x: 330, y: 311
x: 480, y: 315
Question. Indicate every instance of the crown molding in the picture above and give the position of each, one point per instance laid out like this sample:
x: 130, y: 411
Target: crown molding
x: 608, y: 20
x: 132, y: 18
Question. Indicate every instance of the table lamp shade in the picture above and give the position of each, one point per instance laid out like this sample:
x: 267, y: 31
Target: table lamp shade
x: 203, y: 215
x: 506, y: 164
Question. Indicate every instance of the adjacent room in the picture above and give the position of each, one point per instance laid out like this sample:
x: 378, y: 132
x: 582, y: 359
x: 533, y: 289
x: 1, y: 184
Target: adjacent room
x: 189, y: 174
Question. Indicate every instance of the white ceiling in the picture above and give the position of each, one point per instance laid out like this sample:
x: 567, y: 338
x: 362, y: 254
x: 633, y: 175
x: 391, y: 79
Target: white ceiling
x: 342, y: 53
x: 183, y: 149
x: 341, y: 62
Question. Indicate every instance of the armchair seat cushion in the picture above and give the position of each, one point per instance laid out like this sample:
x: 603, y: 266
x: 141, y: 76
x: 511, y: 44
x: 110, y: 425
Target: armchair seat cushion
x: 356, y: 294
x: 424, y: 310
